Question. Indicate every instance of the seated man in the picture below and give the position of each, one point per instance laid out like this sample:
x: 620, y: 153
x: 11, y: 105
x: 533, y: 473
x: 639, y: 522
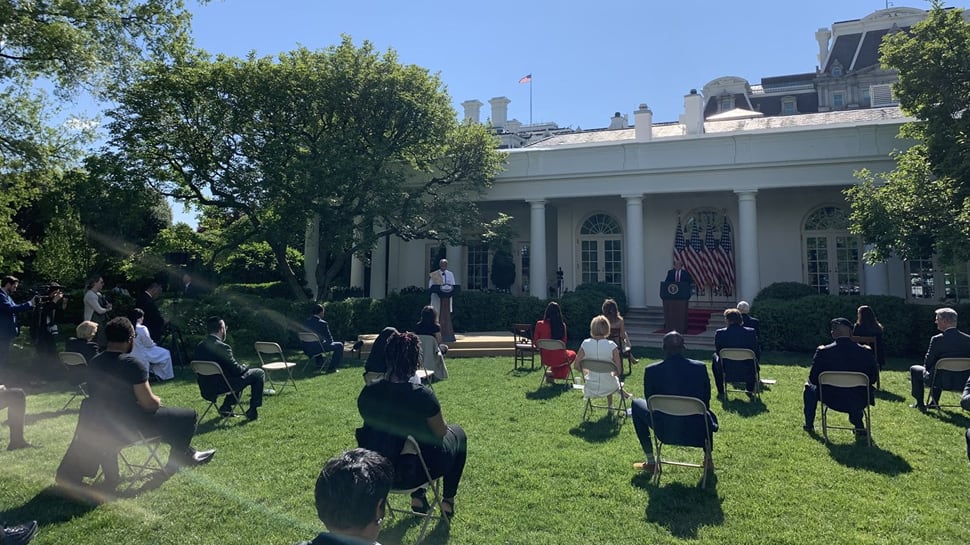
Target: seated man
x: 734, y: 335
x: 213, y: 348
x: 675, y: 375
x: 747, y: 320
x: 316, y: 324
x: 15, y: 401
x: 841, y: 355
x: 951, y: 343
x: 118, y: 385
x: 351, y: 496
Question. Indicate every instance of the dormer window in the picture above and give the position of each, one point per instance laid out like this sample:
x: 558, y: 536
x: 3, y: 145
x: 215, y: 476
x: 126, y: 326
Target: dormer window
x: 725, y: 103
x: 837, y: 69
x: 838, y: 100
x: 789, y: 106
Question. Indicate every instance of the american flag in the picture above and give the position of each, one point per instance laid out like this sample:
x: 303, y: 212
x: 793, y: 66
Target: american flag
x: 710, y: 248
x: 693, y: 258
x: 679, y: 245
x: 526, y: 79
x: 725, y: 259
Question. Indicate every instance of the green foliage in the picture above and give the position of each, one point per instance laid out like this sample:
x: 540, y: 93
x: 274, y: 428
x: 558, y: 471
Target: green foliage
x: 254, y: 262
x: 64, y: 255
x: 503, y: 270
x: 784, y: 291
x: 605, y: 291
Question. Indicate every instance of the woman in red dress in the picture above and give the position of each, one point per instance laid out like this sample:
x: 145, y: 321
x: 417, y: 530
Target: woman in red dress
x: 552, y: 326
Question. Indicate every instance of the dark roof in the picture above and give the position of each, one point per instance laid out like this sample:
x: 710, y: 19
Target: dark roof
x: 788, y: 80
x: 740, y: 101
x: 843, y: 49
x: 869, y: 52
x: 805, y: 103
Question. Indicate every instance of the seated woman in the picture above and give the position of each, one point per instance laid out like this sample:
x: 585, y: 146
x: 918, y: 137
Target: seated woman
x: 866, y: 325
x: 395, y: 408
x: 159, y: 359
x: 552, y: 326
x: 84, y: 343
x: 433, y: 360
x: 618, y: 330
x: 599, y: 347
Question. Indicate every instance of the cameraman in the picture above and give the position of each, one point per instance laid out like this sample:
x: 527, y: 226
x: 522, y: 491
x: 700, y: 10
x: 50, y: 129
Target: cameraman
x: 9, y: 328
x: 43, y: 329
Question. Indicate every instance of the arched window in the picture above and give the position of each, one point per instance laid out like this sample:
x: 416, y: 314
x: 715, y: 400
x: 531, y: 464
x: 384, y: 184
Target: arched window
x: 601, y: 250
x: 833, y: 256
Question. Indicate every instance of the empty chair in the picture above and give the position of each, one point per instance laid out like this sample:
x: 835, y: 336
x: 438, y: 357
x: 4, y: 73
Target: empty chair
x: 77, y: 369
x: 271, y: 358
x: 431, y: 357
x: 212, y: 389
x: 845, y: 392
x: 740, y: 365
x: 680, y: 421
x: 522, y: 341
x: 950, y: 374
x: 554, y: 346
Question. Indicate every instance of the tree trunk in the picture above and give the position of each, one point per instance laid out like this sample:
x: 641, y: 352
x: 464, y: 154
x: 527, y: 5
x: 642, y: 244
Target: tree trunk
x: 311, y: 254
x: 279, y: 252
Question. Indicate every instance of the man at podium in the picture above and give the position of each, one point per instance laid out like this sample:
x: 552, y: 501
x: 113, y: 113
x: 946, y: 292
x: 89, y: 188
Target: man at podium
x: 441, y: 277
x: 675, y: 291
x: 679, y: 273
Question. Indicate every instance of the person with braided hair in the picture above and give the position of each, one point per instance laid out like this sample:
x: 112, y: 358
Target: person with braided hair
x: 395, y: 408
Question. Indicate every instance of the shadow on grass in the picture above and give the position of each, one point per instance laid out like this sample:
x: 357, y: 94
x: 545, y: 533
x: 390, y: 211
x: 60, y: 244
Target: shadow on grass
x: 598, y: 431
x: 859, y: 455
x: 33, y: 418
x: 50, y: 506
x: 213, y: 423
x: 745, y: 408
x: 951, y: 417
x: 549, y: 391
x: 886, y: 395
x: 438, y: 532
x: 682, y: 510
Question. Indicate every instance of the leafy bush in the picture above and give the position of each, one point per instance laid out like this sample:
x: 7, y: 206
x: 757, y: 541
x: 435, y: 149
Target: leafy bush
x: 785, y: 290
x: 276, y: 289
x: 605, y: 291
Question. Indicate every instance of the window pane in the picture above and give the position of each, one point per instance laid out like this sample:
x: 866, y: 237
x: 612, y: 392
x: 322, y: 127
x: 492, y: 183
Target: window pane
x: 588, y: 264
x: 613, y: 262
x: 477, y: 269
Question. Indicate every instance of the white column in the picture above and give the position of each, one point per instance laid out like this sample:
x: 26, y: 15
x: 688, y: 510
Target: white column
x: 636, y: 294
x: 748, y: 281
x: 537, y: 250
x: 356, y: 272
x: 455, y: 263
x: 876, y: 277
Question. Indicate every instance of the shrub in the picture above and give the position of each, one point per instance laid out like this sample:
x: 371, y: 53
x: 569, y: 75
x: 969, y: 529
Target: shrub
x: 605, y: 291
x: 785, y: 290
x: 277, y: 289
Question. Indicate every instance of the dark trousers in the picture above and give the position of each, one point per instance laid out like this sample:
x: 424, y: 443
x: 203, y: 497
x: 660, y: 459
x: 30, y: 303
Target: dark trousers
x: 641, y: 425
x: 176, y: 426
x: 918, y: 376
x: 810, y: 399
x: 15, y: 401
x: 448, y: 460
x: 254, y: 378
x: 4, y: 352
x: 717, y: 369
x: 338, y: 354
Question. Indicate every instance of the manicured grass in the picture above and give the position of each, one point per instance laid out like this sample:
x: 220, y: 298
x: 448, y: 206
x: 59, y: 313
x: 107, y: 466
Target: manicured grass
x: 535, y: 474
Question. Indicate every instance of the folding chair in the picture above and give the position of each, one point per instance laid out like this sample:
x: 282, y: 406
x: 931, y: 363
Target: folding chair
x: 692, y: 429
x: 600, y: 372
x: 739, y: 365
x: 308, y: 337
x: 522, y: 341
x: 77, y: 367
x: 150, y: 464
x: 553, y: 344
x: 211, y: 387
x: 432, y: 360
x: 872, y: 343
x: 844, y: 380
x: 277, y: 362
x: 949, y: 374
x: 624, y: 357
x: 411, y: 448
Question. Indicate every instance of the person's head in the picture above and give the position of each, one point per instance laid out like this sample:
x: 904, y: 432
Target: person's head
x: 673, y: 343
x: 137, y: 316
x: 610, y: 309
x: 428, y: 316
x: 403, y: 355
x: 732, y: 316
x: 9, y: 283
x: 866, y: 316
x: 351, y: 493
x: 599, y: 327
x: 86, y: 330
x: 316, y: 309
x: 553, y: 312
x: 154, y: 289
x: 443, y: 264
x: 95, y: 282
x: 744, y: 307
x: 678, y: 263
x: 946, y: 318
x: 120, y: 333
x: 186, y: 279
x: 841, y: 327
x: 214, y: 325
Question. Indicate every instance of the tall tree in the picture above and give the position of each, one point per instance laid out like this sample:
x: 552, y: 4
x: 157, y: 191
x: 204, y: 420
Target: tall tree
x: 350, y: 136
x: 922, y: 207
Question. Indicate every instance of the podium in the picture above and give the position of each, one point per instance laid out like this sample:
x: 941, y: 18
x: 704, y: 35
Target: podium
x: 445, y: 292
x: 675, y: 296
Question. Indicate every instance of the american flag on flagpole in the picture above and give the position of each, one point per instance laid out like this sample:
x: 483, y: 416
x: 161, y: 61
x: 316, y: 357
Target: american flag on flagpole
x: 710, y: 248
x: 526, y: 78
x: 725, y: 258
x: 693, y: 258
x: 679, y: 245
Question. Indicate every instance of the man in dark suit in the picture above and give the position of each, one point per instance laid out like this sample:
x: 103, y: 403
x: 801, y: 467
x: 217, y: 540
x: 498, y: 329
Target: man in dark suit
x: 9, y: 328
x: 951, y: 343
x: 841, y: 355
x: 747, y: 320
x: 189, y: 289
x: 679, y: 273
x: 153, y: 317
x: 316, y: 324
x: 214, y: 348
x: 734, y: 335
x: 675, y: 375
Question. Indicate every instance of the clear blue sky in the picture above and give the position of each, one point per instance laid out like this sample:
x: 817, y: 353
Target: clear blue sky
x: 588, y: 60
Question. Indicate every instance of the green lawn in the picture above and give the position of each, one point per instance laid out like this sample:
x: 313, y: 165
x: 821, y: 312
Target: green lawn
x: 535, y: 474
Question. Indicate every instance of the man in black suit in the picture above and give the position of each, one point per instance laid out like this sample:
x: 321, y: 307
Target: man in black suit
x: 951, y: 343
x: 316, y: 324
x: 189, y: 289
x: 747, y: 320
x: 675, y: 375
x: 841, y: 355
x: 214, y: 348
x: 734, y: 335
x: 9, y: 329
x: 153, y: 317
x: 679, y: 273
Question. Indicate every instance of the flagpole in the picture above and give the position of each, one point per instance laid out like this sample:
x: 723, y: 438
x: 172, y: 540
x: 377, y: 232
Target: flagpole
x: 530, y: 101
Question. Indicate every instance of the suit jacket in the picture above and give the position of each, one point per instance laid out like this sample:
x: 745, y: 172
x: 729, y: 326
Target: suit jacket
x: 737, y: 336
x: 684, y: 276
x: 952, y: 343
x: 843, y: 355
x: 749, y: 321
x: 317, y: 325
x: 213, y: 349
x: 9, y: 328
x: 680, y: 376
x: 153, y: 317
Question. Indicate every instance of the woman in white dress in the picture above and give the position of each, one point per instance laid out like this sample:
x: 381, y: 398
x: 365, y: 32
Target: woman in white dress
x: 144, y: 348
x: 599, y: 347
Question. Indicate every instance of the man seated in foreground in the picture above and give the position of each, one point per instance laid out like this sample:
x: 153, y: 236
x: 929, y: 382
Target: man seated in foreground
x: 675, y: 375
x: 950, y: 343
x: 316, y: 324
x: 214, y: 348
x: 351, y: 496
x: 734, y: 335
x: 841, y: 355
x: 15, y: 401
x: 118, y: 384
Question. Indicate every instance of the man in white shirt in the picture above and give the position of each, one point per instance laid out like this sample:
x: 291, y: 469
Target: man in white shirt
x: 441, y: 277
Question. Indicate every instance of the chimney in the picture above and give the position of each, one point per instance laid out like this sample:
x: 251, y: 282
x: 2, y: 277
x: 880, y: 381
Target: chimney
x: 472, y: 109
x: 500, y: 111
x: 693, y: 116
x: 823, y: 35
x: 643, y: 124
x: 618, y: 121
